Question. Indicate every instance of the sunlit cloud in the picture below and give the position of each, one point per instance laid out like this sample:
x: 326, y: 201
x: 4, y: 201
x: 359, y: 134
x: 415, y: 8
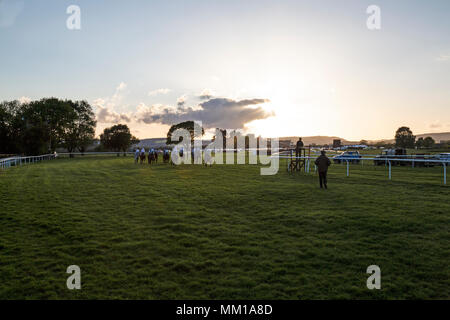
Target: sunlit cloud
x: 105, y: 115
x: 206, y: 94
x: 106, y: 107
x: 181, y: 100
x: 217, y: 112
x: 158, y: 92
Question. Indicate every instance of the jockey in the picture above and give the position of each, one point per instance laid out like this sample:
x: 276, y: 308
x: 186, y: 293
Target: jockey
x: 143, y: 150
x: 136, y: 155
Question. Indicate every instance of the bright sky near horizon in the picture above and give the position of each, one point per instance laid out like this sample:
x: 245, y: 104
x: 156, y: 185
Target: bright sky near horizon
x: 276, y: 68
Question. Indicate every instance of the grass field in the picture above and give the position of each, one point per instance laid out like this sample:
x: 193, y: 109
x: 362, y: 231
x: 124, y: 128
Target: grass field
x: 224, y: 232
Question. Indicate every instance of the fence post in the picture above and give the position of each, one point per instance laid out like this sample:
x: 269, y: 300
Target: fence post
x: 445, y: 173
x: 289, y: 163
x: 390, y: 170
x: 348, y: 169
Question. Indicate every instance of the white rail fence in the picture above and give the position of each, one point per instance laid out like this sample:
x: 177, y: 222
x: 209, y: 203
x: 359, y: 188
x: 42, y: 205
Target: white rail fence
x: 19, y: 161
x: 388, y: 163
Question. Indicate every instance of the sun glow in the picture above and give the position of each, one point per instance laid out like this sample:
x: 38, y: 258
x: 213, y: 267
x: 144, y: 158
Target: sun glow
x: 297, y: 102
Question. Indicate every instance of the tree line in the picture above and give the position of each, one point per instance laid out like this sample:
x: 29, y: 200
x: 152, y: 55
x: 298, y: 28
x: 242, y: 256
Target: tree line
x: 42, y: 126
x: 404, y: 138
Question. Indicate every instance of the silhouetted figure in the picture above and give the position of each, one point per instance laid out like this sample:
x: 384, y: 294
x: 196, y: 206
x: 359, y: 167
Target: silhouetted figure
x: 322, y: 163
x: 298, y: 148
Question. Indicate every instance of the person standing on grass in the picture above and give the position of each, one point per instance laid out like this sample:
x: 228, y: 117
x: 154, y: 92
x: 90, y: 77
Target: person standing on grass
x: 322, y: 163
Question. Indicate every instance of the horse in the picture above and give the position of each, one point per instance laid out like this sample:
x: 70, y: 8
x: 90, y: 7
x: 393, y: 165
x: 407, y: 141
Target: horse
x: 142, y: 157
x: 166, y: 157
x: 156, y: 156
x: 151, y: 157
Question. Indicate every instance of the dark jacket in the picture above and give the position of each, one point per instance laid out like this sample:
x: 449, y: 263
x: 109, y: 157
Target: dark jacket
x: 322, y: 163
x: 299, y: 145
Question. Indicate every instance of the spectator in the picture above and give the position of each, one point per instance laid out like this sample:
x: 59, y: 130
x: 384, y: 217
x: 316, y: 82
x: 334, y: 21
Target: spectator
x: 322, y: 163
x: 298, y: 148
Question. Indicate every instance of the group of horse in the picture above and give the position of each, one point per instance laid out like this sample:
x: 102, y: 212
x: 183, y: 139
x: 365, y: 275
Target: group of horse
x: 152, y: 157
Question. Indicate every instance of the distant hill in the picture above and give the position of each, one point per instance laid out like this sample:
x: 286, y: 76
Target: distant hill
x: 322, y: 140
x: 438, y: 137
x: 151, y: 143
x: 157, y: 143
x: 319, y: 140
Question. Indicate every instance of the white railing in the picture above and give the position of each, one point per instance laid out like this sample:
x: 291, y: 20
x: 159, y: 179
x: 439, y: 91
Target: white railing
x: 19, y: 161
x: 388, y: 163
x: 94, y: 153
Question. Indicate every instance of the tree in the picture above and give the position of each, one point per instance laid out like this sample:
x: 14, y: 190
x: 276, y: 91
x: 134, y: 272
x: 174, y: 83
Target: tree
x: 41, y: 126
x: 52, y: 116
x: 5, y: 128
x: 419, y: 143
x: 364, y: 142
x: 187, y: 125
x: 117, y: 138
x: 428, y: 142
x: 35, y: 141
x: 404, y: 138
x: 80, y: 133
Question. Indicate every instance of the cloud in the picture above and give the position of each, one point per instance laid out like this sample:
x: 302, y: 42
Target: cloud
x: 106, y: 107
x: 217, y: 112
x: 181, y: 101
x: 9, y: 11
x: 105, y: 115
x: 158, y: 91
x: 122, y: 86
x: 443, y: 58
x: 206, y: 94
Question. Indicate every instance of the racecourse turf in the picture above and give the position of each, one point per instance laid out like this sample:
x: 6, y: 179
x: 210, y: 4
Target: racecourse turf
x: 221, y: 232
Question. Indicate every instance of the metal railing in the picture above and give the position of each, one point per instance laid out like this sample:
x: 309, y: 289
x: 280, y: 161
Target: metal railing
x: 388, y: 163
x: 19, y: 161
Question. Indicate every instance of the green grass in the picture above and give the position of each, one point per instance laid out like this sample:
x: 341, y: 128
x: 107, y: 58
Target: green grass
x: 222, y: 232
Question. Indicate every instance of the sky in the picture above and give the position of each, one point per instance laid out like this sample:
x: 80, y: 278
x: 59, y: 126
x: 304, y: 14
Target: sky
x: 272, y: 68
